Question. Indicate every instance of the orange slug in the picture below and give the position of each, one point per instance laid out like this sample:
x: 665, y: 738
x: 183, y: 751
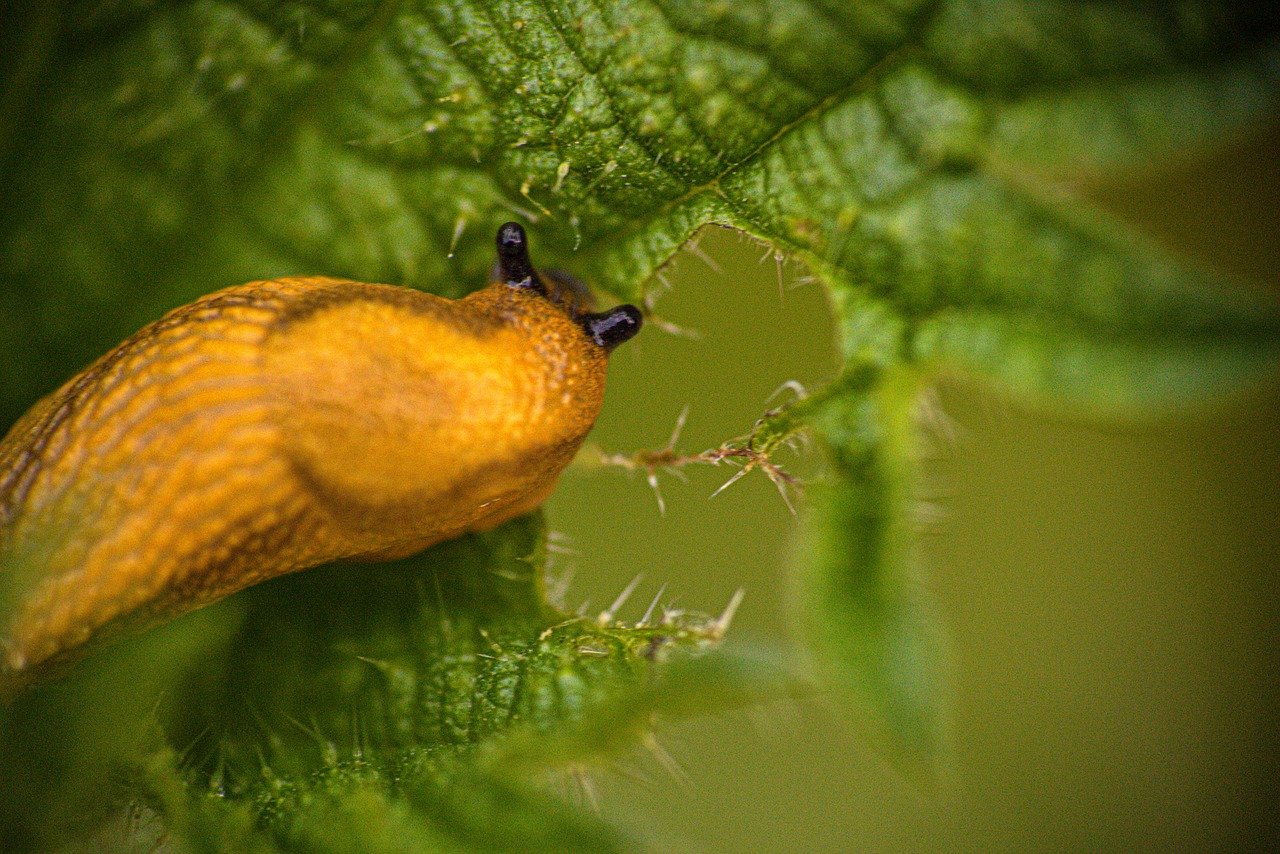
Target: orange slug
x: 277, y: 425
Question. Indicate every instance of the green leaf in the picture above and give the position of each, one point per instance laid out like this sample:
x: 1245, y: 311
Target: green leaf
x: 911, y: 154
x: 444, y: 650
x: 419, y: 804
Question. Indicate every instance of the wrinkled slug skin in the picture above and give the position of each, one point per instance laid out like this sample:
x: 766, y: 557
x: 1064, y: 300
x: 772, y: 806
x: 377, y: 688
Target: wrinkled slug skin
x: 272, y: 427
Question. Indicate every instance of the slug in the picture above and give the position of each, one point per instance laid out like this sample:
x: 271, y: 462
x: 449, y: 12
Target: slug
x: 277, y: 425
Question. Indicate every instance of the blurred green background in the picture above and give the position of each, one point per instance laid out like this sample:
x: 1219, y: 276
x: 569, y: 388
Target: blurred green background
x: 1107, y: 593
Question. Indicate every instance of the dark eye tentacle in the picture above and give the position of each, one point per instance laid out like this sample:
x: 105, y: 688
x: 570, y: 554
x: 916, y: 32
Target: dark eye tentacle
x: 611, y: 328
x: 514, y: 265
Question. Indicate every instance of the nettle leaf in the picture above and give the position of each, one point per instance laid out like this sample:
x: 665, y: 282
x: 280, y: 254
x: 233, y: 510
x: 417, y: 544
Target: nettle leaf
x: 918, y: 157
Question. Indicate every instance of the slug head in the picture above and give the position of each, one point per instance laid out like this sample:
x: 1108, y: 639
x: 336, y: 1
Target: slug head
x: 606, y: 329
x: 413, y: 417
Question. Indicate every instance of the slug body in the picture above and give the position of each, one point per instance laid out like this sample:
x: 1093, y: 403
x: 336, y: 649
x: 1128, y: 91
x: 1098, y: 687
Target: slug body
x: 282, y: 424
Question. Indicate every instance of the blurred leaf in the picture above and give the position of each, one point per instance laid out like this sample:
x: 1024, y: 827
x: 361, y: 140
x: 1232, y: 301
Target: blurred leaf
x: 902, y: 150
x: 61, y: 744
x: 869, y: 621
x: 1074, y: 87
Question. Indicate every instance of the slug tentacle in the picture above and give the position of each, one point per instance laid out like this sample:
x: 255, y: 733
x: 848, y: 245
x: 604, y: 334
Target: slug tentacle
x: 610, y: 328
x: 513, y: 258
x: 282, y: 424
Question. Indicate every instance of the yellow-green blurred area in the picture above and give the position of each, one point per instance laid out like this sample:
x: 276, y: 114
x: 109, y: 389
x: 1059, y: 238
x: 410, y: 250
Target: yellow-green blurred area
x: 1106, y: 592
